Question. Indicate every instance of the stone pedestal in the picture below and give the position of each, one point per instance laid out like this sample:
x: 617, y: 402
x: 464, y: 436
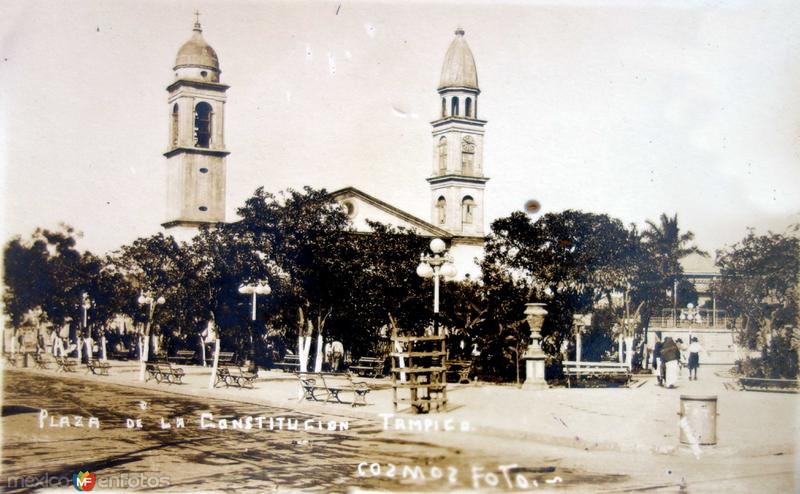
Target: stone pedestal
x: 534, y: 369
x: 534, y: 356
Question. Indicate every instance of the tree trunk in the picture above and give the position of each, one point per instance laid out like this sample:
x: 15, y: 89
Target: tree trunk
x: 214, y: 365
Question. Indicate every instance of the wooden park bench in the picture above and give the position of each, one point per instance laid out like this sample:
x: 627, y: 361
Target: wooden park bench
x: 368, y: 367
x: 182, y: 357
x: 98, y: 367
x: 290, y: 363
x: 164, y: 372
x: 321, y: 386
x: 40, y: 362
x: 458, y: 370
x: 235, y: 375
x: 764, y: 384
x: 224, y: 358
x: 66, y: 364
x: 117, y: 355
x: 611, y: 371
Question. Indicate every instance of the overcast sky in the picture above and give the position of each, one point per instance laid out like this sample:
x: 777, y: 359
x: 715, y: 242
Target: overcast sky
x: 631, y: 108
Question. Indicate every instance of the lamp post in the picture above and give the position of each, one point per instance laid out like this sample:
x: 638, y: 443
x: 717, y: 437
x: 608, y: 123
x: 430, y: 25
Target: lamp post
x: 534, y: 356
x: 260, y: 288
x: 254, y: 289
x: 146, y: 298
x: 439, y: 264
x: 86, y: 303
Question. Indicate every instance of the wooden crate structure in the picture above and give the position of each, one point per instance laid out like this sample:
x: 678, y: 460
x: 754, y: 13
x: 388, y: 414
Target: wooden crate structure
x: 418, y: 372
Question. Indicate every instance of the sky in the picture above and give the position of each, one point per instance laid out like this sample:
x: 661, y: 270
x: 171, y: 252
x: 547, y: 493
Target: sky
x: 630, y: 108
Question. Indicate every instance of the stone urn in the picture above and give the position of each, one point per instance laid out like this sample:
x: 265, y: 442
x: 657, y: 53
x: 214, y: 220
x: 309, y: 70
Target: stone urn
x: 534, y: 356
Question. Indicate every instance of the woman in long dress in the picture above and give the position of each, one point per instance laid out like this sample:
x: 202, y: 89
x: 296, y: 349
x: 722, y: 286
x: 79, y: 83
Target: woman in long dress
x: 670, y: 355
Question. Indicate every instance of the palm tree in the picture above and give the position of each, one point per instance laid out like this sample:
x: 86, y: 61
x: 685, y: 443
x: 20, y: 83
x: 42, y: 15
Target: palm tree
x: 669, y: 245
x: 665, y: 239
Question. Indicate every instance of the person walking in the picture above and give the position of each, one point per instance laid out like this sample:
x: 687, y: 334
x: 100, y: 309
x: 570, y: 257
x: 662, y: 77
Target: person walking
x: 670, y: 355
x: 694, y: 357
x: 657, y: 364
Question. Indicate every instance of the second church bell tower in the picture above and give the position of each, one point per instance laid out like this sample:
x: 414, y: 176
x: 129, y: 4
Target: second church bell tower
x: 196, y: 150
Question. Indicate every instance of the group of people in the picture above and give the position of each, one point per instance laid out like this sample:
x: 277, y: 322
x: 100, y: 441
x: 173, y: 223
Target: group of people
x: 667, y: 359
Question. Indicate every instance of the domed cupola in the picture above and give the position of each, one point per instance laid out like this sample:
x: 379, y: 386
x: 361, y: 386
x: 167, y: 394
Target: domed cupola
x: 196, y: 59
x: 458, y: 84
x: 458, y: 70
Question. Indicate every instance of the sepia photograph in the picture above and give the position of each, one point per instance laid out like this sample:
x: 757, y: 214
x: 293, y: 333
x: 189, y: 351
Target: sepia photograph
x: 365, y: 246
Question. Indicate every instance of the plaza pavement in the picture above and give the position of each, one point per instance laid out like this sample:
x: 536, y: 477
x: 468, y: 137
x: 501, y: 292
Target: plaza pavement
x: 642, y: 418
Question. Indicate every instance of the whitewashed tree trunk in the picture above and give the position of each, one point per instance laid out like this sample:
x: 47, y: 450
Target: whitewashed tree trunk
x: 214, y: 365
x: 319, y: 355
x: 13, y: 342
x: 144, y: 344
x: 79, y: 347
x: 103, y: 342
x: 203, y: 349
x: 629, y: 351
x: 304, y: 347
x: 619, y: 350
x: 89, y: 343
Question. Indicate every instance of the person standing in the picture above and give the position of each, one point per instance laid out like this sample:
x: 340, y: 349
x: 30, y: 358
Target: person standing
x: 694, y: 357
x: 337, y: 350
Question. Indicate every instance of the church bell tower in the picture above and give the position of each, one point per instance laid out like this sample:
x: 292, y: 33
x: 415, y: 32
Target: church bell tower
x: 196, y: 150
x: 457, y: 182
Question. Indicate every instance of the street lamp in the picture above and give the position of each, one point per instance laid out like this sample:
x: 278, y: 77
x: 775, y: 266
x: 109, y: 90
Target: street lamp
x: 439, y: 264
x: 691, y: 315
x: 146, y: 298
x: 86, y: 303
x: 260, y: 288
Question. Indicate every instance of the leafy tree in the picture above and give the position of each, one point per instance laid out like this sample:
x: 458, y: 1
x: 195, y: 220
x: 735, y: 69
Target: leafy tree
x: 306, y: 236
x: 160, y: 266
x: 26, y: 276
x: 759, y: 283
x: 570, y: 260
x: 384, y: 282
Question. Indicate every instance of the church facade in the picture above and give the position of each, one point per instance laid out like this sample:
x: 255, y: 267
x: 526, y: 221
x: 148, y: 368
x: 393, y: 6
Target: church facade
x: 196, y: 168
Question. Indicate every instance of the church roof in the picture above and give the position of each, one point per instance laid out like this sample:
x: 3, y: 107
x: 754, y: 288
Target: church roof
x: 696, y: 264
x: 196, y: 52
x: 423, y: 227
x: 459, y: 68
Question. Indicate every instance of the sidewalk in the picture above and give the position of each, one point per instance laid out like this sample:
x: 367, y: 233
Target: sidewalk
x: 642, y: 418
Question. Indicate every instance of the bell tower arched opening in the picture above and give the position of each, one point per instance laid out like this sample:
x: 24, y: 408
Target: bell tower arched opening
x: 202, y: 125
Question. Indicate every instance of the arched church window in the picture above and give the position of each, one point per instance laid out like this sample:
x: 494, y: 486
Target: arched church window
x: 468, y: 107
x: 444, y: 108
x: 441, y: 210
x: 202, y: 125
x: 467, y: 210
x: 442, y: 155
x: 174, y: 125
x: 454, y: 106
x: 468, y: 155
